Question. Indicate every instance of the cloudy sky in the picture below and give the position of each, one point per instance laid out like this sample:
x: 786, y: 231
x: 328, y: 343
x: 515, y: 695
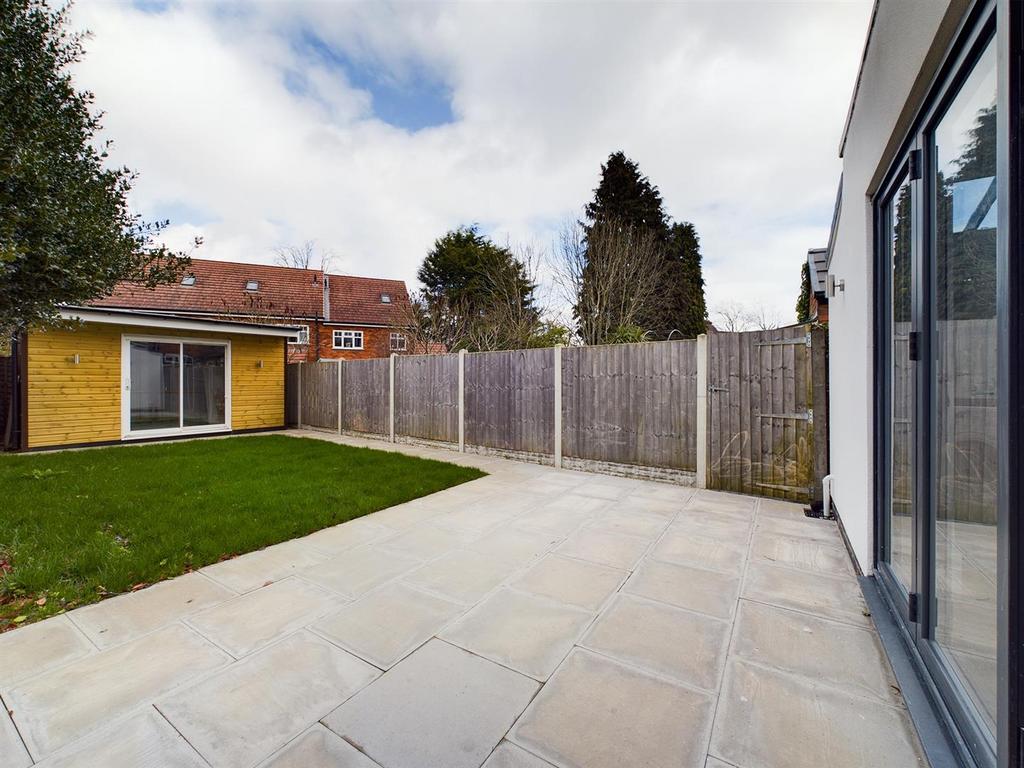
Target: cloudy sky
x: 374, y: 128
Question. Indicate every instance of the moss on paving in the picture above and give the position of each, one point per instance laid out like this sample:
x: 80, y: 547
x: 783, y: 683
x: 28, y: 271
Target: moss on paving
x: 77, y: 526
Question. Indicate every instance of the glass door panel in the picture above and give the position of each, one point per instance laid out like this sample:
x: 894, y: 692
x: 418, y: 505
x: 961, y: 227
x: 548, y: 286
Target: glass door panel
x: 902, y: 402
x: 963, y: 382
x: 155, y: 379
x: 203, y: 377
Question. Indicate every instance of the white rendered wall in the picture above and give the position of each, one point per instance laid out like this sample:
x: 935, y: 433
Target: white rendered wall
x: 903, y: 34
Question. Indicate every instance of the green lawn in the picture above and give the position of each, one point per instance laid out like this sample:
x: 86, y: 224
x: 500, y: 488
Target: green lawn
x: 77, y: 526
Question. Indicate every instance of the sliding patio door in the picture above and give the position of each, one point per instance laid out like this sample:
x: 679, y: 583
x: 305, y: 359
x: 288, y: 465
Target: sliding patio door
x: 938, y: 451
x: 175, y: 386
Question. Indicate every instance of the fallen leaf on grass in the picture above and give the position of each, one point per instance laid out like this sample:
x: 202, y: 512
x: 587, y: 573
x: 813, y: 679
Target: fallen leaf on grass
x: 140, y: 585
x: 41, y: 601
x: 19, y: 619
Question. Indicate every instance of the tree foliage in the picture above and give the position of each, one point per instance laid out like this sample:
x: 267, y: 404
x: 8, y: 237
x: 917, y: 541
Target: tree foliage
x: 803, y: 303
x: 66, y: 232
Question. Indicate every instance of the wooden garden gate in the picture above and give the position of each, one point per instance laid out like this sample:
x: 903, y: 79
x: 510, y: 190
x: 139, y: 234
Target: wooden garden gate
x: 767, y: 412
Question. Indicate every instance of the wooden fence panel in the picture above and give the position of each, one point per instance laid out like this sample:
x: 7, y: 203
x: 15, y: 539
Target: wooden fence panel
x: 631, y: 403
x: 510, y: 400
x: 761, y: 400
x: 364, y: 395
x: 427, y: 397
x: 320, y: 395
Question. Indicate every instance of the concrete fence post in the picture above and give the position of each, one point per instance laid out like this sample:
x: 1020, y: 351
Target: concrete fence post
x: 298, y: 396
x: 391, y: 395
x: 462, y: 401
x: 558, y: 405
x: 702, y: 411
x: 340, y: 361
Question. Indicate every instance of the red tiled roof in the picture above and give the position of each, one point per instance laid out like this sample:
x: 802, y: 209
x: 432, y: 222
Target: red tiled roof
x: 220, y: 287
x: 358, y: 300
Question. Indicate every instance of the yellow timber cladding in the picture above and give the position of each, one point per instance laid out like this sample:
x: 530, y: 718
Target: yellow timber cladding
x: 73, y: 403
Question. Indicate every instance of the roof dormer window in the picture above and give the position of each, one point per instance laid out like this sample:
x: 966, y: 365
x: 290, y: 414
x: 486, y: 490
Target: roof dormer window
x: 188, y: 280
x: 252, y: 285
x: 385, y: 298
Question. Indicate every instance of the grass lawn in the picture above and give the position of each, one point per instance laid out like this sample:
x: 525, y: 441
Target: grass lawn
x: 78, y: 526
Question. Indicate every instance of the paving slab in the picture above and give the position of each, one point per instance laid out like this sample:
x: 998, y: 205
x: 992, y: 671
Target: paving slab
x: 476, y: 518
x: 515, y: 546
x: 723, y: 503
x: 823, y: 651
x: 523, y: 632
x: 462, y: 576
x: 256, y: 569
x: 127, y: 617
x: 801, y: 553
x: 407, y: 515
x: 716, y: 553
x: 631, y: 523
x: 37, y: 648
x: 825, y: 595
x: 244, y: 713
x: 386, y: 624
x: 355, y: 572
x: 318, y: 748
x: 613, y: 549
x: 425, y: 542
x: 339, y: 538
x: 803, y: 527
x: 571, y: 581
x: 62, y: 705
x: 573, y: 501
x: 768, y: 718
x: 556, y: 522
x: 683, y: 586
x: 686, y: 646
x: 440, y: 707
x: 598, y: 713
x: 257, y: 618
x: 714, y: 524
x: 12, y: 751
x: 144, y: 740
x: 508, y: 755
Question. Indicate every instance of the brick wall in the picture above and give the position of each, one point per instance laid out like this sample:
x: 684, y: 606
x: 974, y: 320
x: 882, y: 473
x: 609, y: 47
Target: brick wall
x: 376, y: 343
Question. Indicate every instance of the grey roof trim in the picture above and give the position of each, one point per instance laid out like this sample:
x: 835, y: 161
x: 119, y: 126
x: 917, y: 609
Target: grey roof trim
x: 162, y: 320
x: 860, y: 74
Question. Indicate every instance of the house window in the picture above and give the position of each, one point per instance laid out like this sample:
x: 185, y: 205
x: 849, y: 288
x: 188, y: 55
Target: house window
x: 348, y: 339
x: 385, y: 298
x: 302, y: 337
x: 252, y: 285
x: 188, y: 280
x: 398, y: 342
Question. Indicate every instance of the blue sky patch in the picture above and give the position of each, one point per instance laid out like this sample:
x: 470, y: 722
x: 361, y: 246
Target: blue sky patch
x: 412, y: 102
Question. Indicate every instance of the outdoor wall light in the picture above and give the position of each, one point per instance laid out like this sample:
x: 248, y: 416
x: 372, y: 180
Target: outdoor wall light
x: 832, y: 285
x: 259, y: 363
x: 75, y: 359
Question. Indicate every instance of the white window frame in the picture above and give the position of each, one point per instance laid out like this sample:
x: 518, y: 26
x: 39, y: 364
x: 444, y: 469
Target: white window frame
x: 396, y: 337
x: 126, y: 388
x: 298, y: 336
x: 353, y: 335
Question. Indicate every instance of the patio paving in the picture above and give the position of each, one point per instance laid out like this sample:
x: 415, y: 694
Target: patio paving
x: 529, y: 619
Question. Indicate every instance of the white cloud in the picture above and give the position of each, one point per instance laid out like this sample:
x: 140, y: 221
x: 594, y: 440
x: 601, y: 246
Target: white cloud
x: 733, y: 109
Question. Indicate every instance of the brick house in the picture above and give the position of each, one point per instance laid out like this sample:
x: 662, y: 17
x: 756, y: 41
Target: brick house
x: 342, y: 317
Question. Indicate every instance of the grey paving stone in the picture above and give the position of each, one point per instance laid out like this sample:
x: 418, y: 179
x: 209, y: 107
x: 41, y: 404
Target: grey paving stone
x: 244, y: 713
x: 833, y: 597
x: 613, y: 549
x: 477, y: 518
x: 32, y: 650
x: 440, y: 707
x: 686, y: 646
x: 736, y: 528
x: 803, y: 527
x: 409, y: 514
x: 66, y: 703
x: 515, y: 546
x: 257, y: 618
x: 526, y: 633
x: 576, y: 502
x: 388, y: 623
x: 768, y: 718
x: 339, y: 538
x: 127, y: 617
x: 462, y: 576
x: 597, y: 713
x: 556, y: 522
x: 696, y: 589
x: 12, y: 750
x: 144, y: 740
x: 357, y: 571
x: 704, y: 549
x: 640, y: 524
x: 574, y: 582
x: 801, y: 553
x: 256, y: 569
x: 823, y: 651
x: 508, y: 755
x: 318, y: 748
x: 723, y: 503
x: 714, y: 762
x: 425, y: 542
